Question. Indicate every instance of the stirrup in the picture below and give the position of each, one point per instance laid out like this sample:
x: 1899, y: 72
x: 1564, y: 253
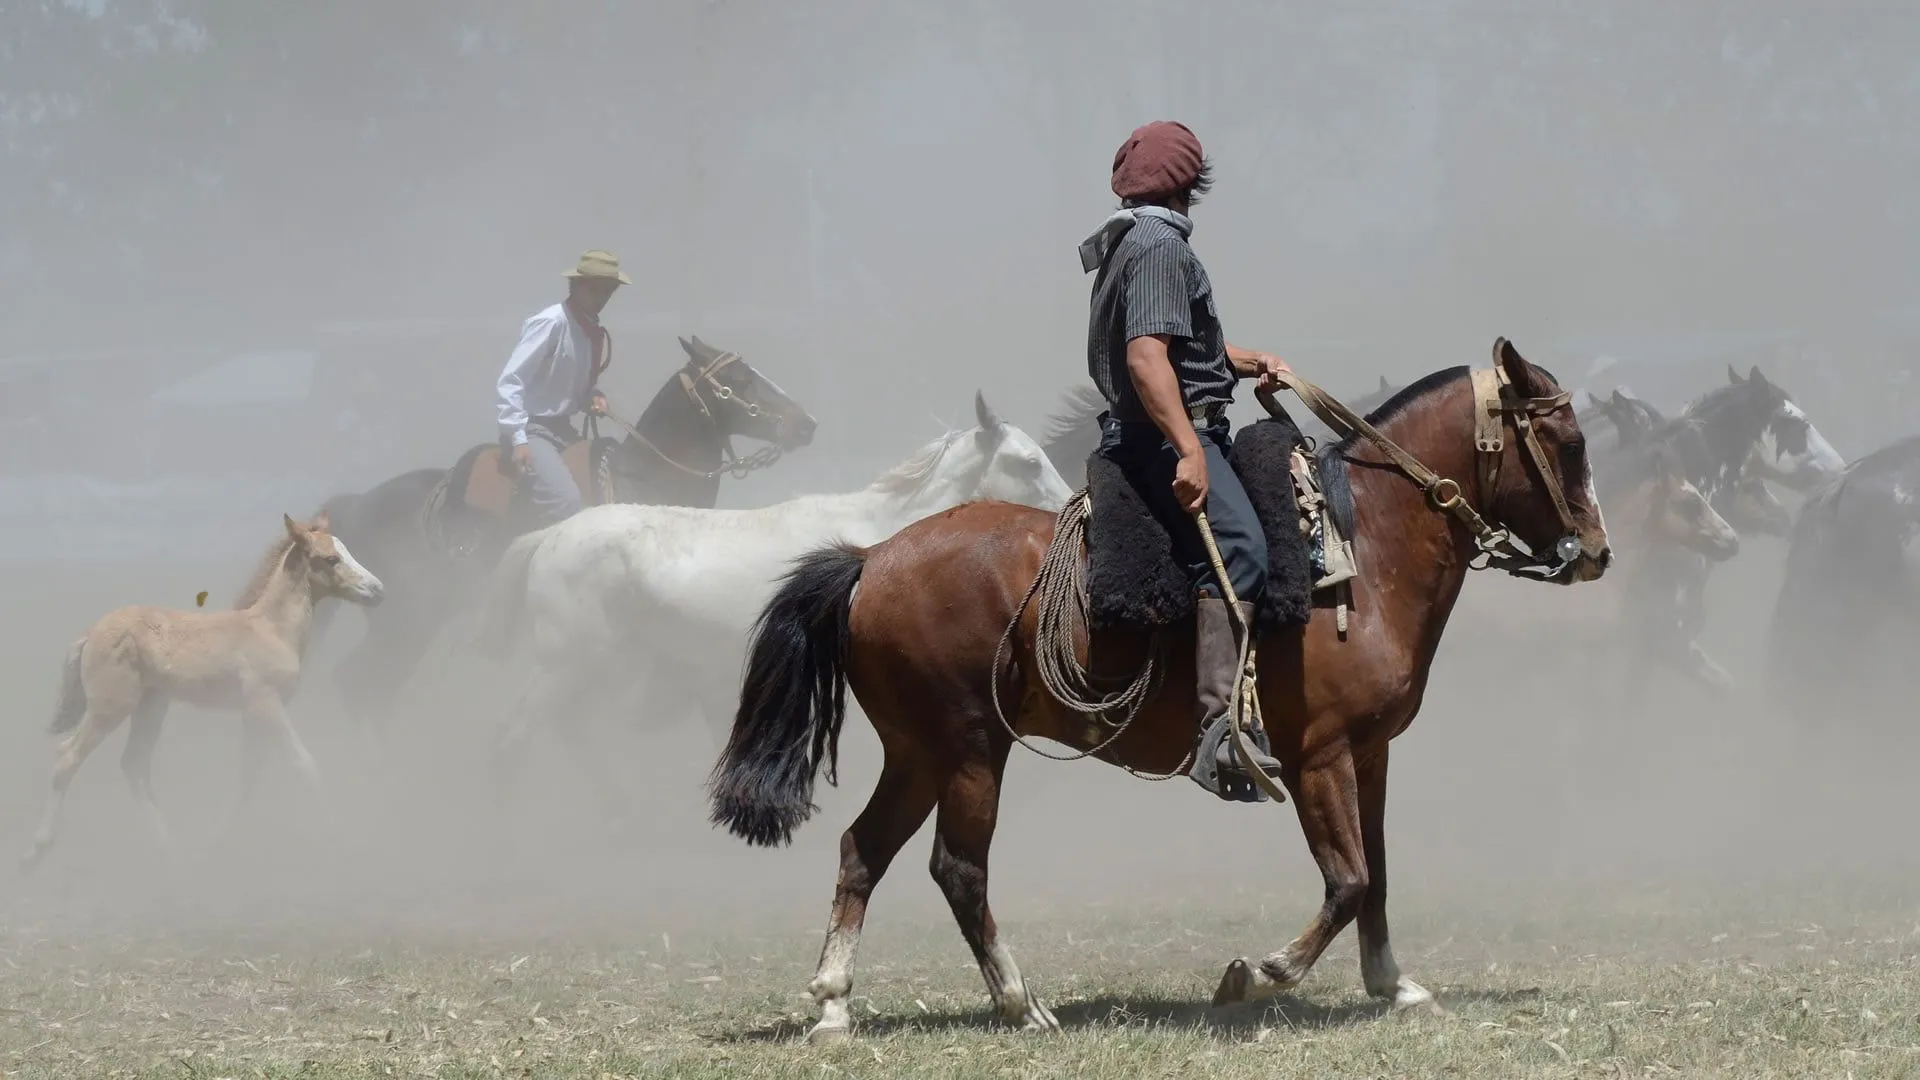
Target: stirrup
x: 1217, y: 765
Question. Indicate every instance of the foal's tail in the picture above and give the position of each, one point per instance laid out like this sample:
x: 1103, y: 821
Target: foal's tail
x: 793, y: 699
x: 71, y: 705
x: 507, y: 597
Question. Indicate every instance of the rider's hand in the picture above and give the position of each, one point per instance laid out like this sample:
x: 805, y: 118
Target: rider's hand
x: 523, y: 457
x: 1270, y: 369
x: 1190, y: 482
x: 597, y: 405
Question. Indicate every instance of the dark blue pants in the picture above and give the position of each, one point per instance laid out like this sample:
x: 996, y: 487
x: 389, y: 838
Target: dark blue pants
x: 1146, y: 456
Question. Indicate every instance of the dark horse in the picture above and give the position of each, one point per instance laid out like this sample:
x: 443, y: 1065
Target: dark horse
x: 918, y: 645
x: 1074, y: 431
x: 1848, y: 613
x: 411, y: 530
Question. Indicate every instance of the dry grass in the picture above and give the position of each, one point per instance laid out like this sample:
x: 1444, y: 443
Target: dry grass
x: 1673, y: 986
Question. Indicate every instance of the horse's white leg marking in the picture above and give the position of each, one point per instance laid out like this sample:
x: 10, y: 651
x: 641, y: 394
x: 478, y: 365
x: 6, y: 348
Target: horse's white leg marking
x: 1009, y: 991
x: 833, y: 982
x: 1382, y: 977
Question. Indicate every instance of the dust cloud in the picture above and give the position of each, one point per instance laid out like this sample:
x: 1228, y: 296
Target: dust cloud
x: 250, y: 262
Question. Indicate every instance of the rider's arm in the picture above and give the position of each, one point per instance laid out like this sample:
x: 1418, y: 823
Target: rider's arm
x: 1249, y: 364
x: 1159, y: 390
x: 1159, y: 297
x: 536, y: 346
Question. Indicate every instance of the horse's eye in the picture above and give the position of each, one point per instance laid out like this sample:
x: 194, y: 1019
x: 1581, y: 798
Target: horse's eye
x: 331, y: 560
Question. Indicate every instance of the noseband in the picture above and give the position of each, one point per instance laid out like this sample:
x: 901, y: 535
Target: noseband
x: 1495, y: 400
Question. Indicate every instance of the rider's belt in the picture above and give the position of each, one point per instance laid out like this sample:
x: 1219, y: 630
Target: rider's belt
x: 1205, y: 415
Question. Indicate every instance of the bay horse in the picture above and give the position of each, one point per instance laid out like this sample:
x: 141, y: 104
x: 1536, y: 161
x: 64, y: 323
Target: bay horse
x: 411, y: 528
x: 627, y: 592
x: 133, y: 662
x: 914, y: 624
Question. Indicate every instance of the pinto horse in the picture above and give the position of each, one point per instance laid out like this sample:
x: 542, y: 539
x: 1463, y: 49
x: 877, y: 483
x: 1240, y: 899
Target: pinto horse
x: 918, y: 643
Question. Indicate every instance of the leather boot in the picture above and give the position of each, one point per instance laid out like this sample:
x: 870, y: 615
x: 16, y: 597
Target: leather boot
x: 1216, y: 763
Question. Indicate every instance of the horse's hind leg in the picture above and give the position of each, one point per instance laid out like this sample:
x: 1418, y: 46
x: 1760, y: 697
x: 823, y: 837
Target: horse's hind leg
x: 1326, y: 798
x: 1377, y: 967
x: 104, y: 713
x: 900, y: 803
x: 969, y: 809
x: 136, y: 761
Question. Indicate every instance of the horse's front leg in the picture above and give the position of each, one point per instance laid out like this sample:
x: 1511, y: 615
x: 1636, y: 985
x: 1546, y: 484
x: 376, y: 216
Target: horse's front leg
x: 1327, y: 800
x: 1377, y: 967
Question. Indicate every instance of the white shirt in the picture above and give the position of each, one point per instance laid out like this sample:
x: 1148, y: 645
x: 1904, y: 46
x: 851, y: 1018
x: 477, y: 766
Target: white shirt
x: 549, y: 374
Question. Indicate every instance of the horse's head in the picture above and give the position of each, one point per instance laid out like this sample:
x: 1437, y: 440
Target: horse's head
x: 992, y: 461
x: 331, y: 569
x: 741, y: 400
x: 1634, y: 418
x: 1547, y: 502
x: 1789, y: 449
x: 1750, y: 506
x: 1679, y: 514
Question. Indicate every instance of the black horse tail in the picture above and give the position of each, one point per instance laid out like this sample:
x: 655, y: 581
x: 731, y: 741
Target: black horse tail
x: 792, y: 702
x: 71, y: 705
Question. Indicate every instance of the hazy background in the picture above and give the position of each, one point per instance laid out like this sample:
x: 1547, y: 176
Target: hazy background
x: 253, y: 253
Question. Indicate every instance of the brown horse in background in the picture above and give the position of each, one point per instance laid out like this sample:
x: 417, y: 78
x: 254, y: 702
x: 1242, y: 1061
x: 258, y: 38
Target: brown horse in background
x: 918, y: 643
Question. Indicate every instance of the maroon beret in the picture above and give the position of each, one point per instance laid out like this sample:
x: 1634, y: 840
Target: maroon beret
x: 1157, y: 160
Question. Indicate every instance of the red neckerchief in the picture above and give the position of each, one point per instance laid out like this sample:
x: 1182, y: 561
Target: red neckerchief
x: 595, y: 333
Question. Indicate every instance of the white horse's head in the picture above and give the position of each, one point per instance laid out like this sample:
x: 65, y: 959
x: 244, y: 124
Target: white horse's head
x: 1790, y: 450
x: 995, y: 460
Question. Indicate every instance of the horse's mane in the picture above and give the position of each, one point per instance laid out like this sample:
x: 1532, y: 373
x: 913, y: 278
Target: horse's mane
x: 1404, y: 398
x: 1081, y: 405
x: 269, y: 566
x: 907, y: 477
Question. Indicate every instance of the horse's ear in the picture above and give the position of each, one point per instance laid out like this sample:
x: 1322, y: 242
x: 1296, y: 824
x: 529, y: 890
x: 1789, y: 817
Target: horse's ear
x: 1754, y: 376
x: 294, y: 528
x: 701, y: 345
x: 688, y: 345
x: 1733, y: 376
x: 321, y: 522
x: 1509, y: 360
x: 983, y: 412
x: 1383, y: 384
x: 1618, y: 397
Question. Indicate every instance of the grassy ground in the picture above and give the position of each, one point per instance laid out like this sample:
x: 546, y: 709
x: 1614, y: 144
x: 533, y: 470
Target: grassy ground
x: 1672, y: 985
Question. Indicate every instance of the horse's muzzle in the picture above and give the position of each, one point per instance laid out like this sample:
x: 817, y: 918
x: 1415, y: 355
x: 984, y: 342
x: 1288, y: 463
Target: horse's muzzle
x: 797, y: 431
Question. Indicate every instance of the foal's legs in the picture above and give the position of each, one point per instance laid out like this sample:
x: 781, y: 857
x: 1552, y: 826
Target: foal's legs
x: 136, y: 762
x: 900, y: 803
x: 107, y: 706
x: 969, y: 808
x: 1377, y: 967
x: 1327, y: 800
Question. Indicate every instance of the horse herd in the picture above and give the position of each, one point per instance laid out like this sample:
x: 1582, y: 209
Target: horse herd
x: 905, y: 592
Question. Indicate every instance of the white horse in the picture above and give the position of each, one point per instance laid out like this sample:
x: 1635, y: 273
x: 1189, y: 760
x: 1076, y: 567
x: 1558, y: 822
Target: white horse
x: 619, y: 589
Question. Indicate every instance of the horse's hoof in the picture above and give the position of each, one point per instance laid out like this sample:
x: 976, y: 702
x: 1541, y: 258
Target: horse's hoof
x: 1039, y: 1019
x: 1428, y: 1007
x: 822, y: 1035
x: 1234, y: 985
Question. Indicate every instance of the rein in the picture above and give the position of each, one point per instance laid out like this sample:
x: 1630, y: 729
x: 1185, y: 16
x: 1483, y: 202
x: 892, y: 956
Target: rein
x: 1493, y: 399
x: 731, y: 463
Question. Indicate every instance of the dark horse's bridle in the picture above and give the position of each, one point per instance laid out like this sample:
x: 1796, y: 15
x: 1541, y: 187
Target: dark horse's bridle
x: 1494, y: 400
x: 699, y: 383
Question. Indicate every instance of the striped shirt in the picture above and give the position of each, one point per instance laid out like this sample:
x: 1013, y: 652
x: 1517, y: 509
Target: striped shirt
x: 1153, y: 283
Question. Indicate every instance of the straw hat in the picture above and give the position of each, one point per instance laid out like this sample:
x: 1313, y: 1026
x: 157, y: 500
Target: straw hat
x: 599, y: 264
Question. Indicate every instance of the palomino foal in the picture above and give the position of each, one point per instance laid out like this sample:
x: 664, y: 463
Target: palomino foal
x: 135, y: 661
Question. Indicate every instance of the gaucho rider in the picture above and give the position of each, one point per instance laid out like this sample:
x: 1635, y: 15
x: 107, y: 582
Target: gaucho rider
x: 1156, y: 351
x: 551, y: 377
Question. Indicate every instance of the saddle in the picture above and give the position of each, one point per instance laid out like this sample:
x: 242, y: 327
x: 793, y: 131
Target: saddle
x: 1135, y: 582
x: 485, y: 480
